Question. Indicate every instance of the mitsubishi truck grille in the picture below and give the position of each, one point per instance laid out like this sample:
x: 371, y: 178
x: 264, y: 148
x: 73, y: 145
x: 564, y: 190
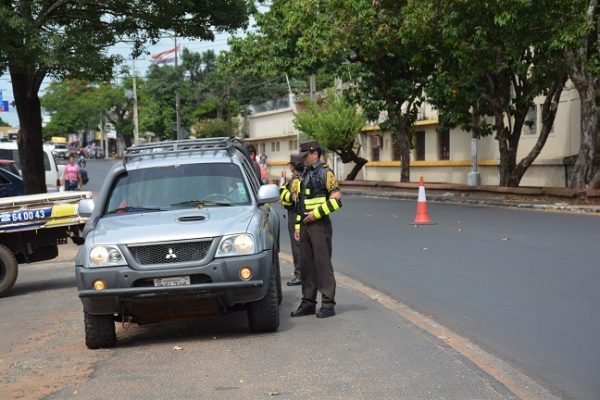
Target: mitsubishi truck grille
x: 170, y: 253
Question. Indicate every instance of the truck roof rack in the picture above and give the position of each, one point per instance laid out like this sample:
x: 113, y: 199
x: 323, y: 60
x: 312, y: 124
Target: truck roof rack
x: 171, y: 147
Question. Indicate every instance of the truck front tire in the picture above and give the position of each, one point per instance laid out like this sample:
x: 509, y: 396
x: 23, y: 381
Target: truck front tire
x: 9, y: 269
x: 99, y: 331
x: 263, y: 315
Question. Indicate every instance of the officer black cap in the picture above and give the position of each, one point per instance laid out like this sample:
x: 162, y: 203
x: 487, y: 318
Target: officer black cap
x: 308, y: 146
x: 295, y: 159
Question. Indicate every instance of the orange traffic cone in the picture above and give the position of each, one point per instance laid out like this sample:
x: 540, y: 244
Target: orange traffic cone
x: 422, y: 217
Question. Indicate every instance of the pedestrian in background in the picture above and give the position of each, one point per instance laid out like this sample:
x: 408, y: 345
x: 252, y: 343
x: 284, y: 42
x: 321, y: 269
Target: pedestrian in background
x: 71, y: 178
x: 288, y: 195
x: 320, y: 195
x: 262, y: 159
x: 252, y: 153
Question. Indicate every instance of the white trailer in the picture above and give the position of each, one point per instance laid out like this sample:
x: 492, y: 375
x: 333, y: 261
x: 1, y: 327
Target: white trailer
x: 32, y: 227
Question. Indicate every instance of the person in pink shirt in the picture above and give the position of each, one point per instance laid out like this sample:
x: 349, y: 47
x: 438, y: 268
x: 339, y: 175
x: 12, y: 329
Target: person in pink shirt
x: 72, y: 176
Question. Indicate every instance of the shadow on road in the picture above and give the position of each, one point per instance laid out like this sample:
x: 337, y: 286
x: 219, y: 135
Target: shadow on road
x: 21, y: 289
x: 226, y: 327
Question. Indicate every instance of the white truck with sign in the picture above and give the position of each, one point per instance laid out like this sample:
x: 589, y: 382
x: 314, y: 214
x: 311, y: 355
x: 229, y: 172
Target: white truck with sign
x: 32, y: 226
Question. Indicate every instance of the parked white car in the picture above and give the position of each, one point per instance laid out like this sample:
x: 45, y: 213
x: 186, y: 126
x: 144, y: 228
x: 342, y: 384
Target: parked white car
x: 53, y: 172
x: 60, y: 150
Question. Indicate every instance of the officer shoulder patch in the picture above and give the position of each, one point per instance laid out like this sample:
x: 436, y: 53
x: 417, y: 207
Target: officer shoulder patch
x: 332, y: 183
x: 295, y: 189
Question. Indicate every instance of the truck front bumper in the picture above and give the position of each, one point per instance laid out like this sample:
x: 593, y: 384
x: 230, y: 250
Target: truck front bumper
x: 124, y: 284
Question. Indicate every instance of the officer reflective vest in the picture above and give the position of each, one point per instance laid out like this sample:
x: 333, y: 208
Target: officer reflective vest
x: 317, y: 184
x: 288, y: 192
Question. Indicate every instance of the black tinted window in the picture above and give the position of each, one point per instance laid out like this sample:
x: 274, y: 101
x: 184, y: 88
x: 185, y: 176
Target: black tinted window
x: 8, y: 154
x: 46, y: 162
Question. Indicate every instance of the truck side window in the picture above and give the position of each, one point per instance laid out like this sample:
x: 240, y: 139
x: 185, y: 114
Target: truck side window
x: 251, y: 175
x: 46, y: 162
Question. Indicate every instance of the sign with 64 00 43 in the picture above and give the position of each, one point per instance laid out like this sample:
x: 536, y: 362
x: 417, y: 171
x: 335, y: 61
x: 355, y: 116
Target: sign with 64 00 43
x: 26, y: 215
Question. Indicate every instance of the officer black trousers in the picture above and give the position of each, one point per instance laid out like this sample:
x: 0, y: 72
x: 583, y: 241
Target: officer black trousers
x: 315, y: 262
x: 295, y: 244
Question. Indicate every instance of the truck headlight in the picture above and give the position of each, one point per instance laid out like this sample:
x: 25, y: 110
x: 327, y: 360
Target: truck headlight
x: 236, y: 245
x: 106, y: 256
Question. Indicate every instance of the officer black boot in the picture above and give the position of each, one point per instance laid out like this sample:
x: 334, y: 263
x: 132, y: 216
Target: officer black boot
x: 295, y: 282
x: 303, y: 310
x: 326, y: 312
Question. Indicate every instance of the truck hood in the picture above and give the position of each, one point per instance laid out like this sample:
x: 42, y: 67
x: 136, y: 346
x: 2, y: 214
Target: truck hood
x: 173, y: 225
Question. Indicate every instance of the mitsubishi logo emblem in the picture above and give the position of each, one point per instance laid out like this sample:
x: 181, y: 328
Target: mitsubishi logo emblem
x: 171, y: 255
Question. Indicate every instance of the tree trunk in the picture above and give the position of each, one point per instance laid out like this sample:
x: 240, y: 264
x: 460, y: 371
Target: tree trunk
x: 587, y: 84
x: 127, y: 140
x: 359, y: 162
x: 403, y: 138
x: 31, y: 153
x: 349, y: 155
x: 549, y: 109
x: 508, y: 144
x: 584, y: 169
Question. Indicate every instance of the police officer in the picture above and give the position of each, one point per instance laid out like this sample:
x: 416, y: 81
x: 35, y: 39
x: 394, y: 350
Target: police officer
x: 320, y: 195
x: 288, y: 196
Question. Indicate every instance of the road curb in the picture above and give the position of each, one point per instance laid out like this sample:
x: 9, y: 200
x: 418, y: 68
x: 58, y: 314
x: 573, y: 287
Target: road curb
x: 452, y: 199
x: 514, y: 380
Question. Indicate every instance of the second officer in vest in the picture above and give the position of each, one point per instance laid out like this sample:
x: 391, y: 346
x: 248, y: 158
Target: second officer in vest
x: 319, y: 196
x: 288, y: 197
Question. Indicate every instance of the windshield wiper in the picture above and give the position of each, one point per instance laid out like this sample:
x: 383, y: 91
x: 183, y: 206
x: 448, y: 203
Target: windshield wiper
x: 201, y: 203
x: 191, y: 203
x: 134, y: 209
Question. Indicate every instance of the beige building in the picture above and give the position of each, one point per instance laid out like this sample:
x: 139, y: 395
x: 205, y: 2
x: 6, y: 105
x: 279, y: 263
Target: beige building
x: 437, y: 156
x: 273, y: 134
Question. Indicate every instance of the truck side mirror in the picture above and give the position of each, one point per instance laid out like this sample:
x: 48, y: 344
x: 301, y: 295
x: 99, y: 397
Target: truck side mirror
x: 86, y: 208
x: 268, y: 194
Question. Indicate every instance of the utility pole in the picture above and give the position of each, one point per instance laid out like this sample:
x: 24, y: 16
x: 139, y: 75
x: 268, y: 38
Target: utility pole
x: 473, y: 177
x: 178, y: 121
x: 136, y: 132
x: 229, y: 123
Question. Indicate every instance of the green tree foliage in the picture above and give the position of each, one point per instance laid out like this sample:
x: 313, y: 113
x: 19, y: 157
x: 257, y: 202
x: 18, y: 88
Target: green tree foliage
x: 74, y: 105
x: 77, y: 105
x: 335, y: 124
x: 61, y: 38
x: 118, y: 108
x: 215, y: 127
x: 3, y: 123
x: 493, y: 58
x: 204, y: 93
x: 360, y: 40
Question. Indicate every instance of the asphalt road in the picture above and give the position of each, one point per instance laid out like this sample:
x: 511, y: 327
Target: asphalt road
x: 523, y: 285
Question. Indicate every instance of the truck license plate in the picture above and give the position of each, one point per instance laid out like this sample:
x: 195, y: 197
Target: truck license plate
x: 26, y: 215
x: 173, y: 281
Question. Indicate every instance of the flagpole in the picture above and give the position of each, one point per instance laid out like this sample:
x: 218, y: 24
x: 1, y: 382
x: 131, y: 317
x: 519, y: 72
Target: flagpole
x: 178, y: 123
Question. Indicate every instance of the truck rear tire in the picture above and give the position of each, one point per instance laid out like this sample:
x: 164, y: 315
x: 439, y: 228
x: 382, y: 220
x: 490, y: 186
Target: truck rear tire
x: 9, y: 269
x: 263, y: 315
x: 99, y: 331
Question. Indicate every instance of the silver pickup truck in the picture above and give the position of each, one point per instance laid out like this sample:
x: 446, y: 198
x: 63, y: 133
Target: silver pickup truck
x: 32, y: 226
x: 181, y: 229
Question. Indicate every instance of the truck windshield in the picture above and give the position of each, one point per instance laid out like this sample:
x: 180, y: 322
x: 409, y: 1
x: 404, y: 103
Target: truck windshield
x: 177, y: 187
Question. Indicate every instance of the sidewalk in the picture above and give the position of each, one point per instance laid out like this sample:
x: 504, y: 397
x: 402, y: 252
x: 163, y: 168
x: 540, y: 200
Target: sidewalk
x: 552, y: 199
